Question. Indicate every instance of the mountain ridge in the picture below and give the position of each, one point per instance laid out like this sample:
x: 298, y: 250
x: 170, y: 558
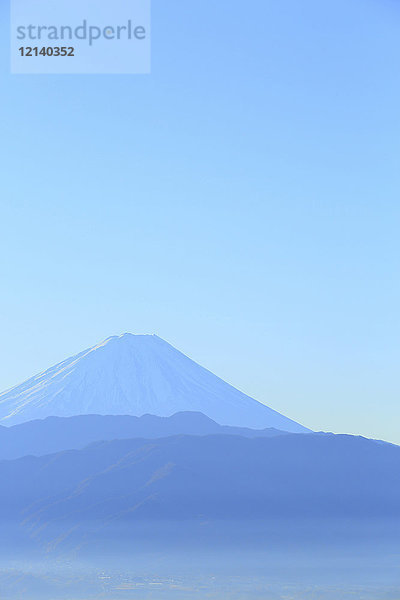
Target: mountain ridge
x: 56, y: 434
x: 194, y: 477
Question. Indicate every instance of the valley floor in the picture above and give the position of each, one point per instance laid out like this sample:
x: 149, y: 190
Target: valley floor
x: 308, y: 560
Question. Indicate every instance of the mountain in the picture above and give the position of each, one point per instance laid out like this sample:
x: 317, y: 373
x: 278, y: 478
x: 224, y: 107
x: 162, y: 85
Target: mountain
x: 135, y: 375
x: 202, y: 477
x: 54, y: 434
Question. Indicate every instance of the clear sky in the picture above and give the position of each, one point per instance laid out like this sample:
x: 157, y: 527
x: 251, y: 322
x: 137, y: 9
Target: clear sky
x: 242, y: 202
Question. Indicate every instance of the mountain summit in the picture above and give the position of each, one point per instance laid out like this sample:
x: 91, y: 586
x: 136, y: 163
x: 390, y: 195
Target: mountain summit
x: 135, y: 375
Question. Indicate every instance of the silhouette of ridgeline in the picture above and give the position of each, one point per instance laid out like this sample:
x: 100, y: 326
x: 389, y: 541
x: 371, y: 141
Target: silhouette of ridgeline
x: 55, y: 434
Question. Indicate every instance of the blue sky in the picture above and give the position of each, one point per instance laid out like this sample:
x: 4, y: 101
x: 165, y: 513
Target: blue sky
x: 242, y: 202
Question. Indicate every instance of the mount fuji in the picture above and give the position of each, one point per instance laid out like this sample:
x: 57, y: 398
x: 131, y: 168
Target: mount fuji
x: 135, y: 375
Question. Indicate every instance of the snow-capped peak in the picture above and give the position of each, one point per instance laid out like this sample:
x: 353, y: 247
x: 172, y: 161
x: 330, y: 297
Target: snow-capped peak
x: 134, y: 375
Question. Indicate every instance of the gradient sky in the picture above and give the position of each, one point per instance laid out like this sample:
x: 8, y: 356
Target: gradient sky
x: 242, y: 202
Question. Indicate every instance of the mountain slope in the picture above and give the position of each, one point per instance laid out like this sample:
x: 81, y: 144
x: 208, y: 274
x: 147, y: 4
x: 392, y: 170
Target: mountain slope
x: 191, y: 477
x: 55, y: 434
x: 135, y: 375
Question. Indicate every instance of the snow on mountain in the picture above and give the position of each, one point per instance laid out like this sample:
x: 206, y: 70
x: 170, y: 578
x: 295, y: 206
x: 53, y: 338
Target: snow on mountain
x: 135, y: 375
